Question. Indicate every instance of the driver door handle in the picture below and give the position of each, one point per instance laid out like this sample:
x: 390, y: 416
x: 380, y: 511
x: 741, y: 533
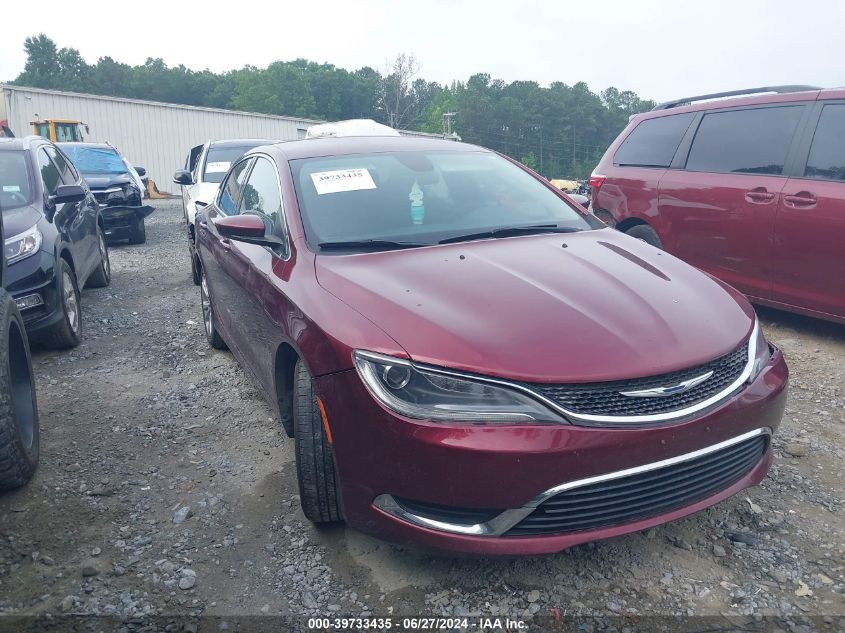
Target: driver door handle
x: 759, y: 195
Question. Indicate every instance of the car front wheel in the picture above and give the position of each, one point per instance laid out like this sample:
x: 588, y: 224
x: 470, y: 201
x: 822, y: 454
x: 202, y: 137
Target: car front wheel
x: 318, y: 491
x: 139, y: 232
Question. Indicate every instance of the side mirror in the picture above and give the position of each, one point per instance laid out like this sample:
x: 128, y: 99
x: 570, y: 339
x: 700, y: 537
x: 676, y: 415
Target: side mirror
x: 141, y: 171
x: 249, y: 229
x: 68, y: 193
x: 183, y: 177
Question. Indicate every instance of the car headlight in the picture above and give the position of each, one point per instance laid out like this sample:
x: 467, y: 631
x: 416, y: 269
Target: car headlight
x: 22, y: 245
x: 427, y: 393
x: 761, y: 350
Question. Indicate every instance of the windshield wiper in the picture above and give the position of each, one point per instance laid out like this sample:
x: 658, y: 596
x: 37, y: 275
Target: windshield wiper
x: 511, y: 230
x: 352, y: 244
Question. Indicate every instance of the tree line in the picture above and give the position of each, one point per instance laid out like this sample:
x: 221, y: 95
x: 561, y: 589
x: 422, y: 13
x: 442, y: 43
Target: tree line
x: 559, y: 130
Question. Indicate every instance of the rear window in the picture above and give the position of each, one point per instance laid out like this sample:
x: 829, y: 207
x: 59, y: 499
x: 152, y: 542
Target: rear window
x: 15, y: 184
x: 653, y: 142
x: 744, y: 141
x: 219, y: 160
x: 827, y: 154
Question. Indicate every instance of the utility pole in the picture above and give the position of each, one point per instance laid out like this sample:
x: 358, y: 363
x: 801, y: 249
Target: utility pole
x: 541, y: 150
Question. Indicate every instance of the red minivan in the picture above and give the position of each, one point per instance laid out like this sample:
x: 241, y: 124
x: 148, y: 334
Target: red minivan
x: 750, y: 189
x: 467, y: 359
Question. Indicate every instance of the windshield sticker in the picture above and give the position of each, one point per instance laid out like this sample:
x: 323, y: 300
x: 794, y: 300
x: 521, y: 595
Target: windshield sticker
x: 216, y: 168
x: 11, y: 189
x: 342, y: 180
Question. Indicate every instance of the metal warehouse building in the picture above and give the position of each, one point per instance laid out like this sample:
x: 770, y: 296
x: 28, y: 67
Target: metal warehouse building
x: 156, y: 136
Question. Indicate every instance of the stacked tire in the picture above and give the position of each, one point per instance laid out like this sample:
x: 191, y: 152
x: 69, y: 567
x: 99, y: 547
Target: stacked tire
x: 19, y: 437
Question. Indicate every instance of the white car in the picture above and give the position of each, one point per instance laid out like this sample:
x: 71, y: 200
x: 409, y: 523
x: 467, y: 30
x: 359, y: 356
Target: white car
x: 205, y: 167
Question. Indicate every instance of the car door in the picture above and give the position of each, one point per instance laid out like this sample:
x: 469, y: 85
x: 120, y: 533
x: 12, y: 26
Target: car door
x: 251, y: 267
x: 809, y: 240
x: 67, y: 217
x: 89, y: 210
x: 215, y: 249
x: 192, y: 165
x: 718, y: 203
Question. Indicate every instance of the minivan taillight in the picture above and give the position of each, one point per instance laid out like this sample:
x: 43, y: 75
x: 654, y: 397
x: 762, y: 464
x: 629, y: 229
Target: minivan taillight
x: 596, y: 181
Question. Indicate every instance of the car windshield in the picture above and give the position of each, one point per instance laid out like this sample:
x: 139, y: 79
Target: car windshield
x: 402, y: 199
x: 95, y: 160
x: 219, y: 160
x: 15, y: 184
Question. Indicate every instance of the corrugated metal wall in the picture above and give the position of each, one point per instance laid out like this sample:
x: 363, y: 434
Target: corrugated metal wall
x: 153, y: 135
x: 156, y: 136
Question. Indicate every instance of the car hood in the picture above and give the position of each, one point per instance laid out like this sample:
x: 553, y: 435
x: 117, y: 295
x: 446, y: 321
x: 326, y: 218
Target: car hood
x: 581, y: 307
x: 104, y: 181
x: 18, y: 220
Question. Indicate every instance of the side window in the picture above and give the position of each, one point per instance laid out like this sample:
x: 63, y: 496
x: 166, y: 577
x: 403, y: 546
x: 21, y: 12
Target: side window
x: 193, y: 159
x: 66, y: 169
x: 230, y: 190
x: 744, y: 141
x: 49, y: 173
x: 827, y: 153
x: 261, y: 194
x: 653, y: 142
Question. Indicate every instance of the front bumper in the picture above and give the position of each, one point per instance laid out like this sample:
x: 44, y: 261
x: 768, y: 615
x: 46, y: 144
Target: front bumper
x: 120, y: 220
x: 36, y: 275
x: 507, y: 467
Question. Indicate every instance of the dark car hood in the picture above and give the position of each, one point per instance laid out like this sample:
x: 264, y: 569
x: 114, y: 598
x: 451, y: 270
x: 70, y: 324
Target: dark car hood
x: 19, y: 219
x: 104, y: 181
x: 603, y: 307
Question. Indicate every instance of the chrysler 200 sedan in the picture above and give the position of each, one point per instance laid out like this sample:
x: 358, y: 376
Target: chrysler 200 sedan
x: 469, y: 361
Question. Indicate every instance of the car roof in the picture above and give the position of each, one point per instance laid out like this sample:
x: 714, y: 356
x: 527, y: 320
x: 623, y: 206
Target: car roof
x: 737, y: 102
x: 21, y: 143
x: 241, y: 142
x: 340, y: 146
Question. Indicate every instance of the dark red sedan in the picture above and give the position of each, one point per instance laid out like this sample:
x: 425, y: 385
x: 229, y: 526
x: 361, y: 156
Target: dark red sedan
x: 469, y: 361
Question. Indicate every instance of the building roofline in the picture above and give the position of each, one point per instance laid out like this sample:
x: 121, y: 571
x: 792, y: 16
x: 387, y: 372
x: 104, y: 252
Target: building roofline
x: 162, y: 104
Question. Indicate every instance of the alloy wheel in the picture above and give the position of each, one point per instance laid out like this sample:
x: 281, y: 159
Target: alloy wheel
x: 104, y: 254
x: 206, y: 306
x: 71, y: 302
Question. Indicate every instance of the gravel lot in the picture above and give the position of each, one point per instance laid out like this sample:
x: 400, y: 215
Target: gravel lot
x: 166, y: 487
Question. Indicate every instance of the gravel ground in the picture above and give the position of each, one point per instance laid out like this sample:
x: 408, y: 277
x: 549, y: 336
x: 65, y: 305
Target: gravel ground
x: 166, y: 487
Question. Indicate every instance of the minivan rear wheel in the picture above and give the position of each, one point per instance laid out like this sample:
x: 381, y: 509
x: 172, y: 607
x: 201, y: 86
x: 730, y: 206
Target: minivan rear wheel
x: 318, y: 492
x: 647, y: 234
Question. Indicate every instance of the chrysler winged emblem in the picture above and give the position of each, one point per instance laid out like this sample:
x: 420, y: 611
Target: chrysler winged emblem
x: 660, y: 392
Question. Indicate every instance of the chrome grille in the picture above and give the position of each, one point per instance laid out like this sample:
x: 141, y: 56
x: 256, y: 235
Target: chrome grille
x: 606, y: 398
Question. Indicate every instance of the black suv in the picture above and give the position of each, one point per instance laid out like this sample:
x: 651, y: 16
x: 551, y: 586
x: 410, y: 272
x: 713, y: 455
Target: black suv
x: 55, y: 241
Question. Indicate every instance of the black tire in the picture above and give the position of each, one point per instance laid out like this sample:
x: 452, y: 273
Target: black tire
x: 315, y: 470
x: 139, y: 232
x: 211, y: 334
x: 101, y: 277
x: 67, y: 332
x: 645, y: 233
x: 195, y: 267
x: 19, y: 437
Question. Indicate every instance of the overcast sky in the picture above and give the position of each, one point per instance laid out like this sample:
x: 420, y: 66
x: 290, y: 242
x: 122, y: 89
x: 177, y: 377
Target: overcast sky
x: 660, y: 50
